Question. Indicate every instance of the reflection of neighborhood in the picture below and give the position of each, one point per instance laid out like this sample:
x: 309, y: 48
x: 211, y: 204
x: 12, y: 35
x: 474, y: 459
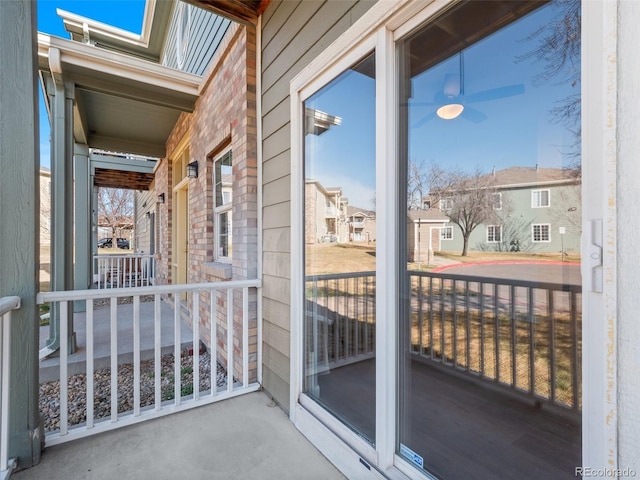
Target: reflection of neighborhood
x: 530, y: 209
x: 329, y: 218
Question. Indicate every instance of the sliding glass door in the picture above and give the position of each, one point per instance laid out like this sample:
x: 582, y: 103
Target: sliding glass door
x: 490, y: 317
x: 340, y: 247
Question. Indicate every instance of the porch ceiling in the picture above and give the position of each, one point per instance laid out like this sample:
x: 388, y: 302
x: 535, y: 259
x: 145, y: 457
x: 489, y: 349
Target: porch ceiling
x: 242, y: 11
x: 122, y: 103
x: 120, y: 179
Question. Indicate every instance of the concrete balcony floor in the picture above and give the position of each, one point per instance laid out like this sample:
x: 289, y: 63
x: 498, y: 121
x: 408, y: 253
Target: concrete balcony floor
x: 244, y: 437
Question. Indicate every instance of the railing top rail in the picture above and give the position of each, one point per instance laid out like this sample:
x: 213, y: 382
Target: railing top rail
x: 563, y: 287
x: 123, y: 255
x: 151, y: 290
x: 9, y: 303
x: 336, y: 276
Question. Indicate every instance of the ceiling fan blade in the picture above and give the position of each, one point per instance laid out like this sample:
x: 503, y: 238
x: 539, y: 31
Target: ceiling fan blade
x: 495, y: 93
x: 423, y: 120
x: 473, y: 115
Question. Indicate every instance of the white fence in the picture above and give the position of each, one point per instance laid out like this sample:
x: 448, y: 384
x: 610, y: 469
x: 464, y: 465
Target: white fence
x: 118, y: 271
x: 232, y: 305
x: 7, y: 305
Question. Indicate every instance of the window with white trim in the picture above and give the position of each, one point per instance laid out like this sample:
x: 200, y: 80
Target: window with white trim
x: 494, y: 233
x: 540, y: 232
x: 446, y: 233
x: 223, y: 194
x: 540, y: 198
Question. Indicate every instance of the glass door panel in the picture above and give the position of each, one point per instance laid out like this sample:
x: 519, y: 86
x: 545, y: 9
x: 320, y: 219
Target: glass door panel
x: 490, y: 318
x: 340, y: 248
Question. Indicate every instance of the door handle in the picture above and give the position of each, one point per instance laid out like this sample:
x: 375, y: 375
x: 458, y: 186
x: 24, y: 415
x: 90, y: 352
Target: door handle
x: 595, y: 255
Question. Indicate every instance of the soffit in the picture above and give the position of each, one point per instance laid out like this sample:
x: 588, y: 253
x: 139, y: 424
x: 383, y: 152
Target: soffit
x: 241, y: 11
x: 122, y: 103
x: 148, y: 44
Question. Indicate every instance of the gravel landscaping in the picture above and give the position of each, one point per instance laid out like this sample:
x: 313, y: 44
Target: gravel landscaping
x: 50, y: 391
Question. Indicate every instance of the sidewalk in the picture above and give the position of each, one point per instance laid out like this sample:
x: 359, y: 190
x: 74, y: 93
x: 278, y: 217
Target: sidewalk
x: 49, y: 367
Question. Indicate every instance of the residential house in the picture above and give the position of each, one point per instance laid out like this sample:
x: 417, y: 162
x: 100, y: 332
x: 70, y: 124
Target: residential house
x: 362, y: 224
x: 400, y: 373
x: 535, y: 210
x: 425, y: 234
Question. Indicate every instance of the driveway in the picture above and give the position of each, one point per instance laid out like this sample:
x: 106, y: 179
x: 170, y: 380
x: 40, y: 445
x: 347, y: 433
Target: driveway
x: 548, y: 272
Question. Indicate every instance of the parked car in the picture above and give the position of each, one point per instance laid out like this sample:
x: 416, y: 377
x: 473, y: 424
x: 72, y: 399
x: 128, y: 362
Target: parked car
x: 107, y: 242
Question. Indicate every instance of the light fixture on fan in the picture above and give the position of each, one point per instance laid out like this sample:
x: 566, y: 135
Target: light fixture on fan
x: 453, y: 90
x: 450, y: 111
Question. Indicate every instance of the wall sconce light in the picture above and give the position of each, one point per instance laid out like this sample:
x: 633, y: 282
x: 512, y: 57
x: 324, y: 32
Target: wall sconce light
x: 192, y: 170
x: 161, y: 198
x: 148, y: 214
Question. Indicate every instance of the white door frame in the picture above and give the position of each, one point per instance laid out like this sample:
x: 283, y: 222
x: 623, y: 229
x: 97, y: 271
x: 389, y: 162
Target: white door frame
x: 384, y: 23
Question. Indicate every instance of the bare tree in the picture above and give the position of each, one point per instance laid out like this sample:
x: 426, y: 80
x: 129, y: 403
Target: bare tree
x: 469, y: 200
x: 558, y: 45
x: 115, y: 209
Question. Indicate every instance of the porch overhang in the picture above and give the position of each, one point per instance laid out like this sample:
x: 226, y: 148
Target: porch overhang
x: 122, y: 103
x: 246, y: 12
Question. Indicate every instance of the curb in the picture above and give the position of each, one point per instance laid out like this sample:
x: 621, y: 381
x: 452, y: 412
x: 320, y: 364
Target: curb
x: 502, y: 262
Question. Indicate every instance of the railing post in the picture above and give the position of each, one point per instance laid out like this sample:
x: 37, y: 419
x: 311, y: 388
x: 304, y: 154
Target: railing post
x: 6, y: 464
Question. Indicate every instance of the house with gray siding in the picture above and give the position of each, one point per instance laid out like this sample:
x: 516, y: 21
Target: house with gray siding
x: 390, y: 369
x: 535, y: 210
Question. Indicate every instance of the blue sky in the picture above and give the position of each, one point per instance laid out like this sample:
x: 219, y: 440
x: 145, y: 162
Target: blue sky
x: 517, y: 130
x: 125, y: 14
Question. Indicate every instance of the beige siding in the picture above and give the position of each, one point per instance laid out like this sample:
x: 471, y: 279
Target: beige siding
x: 293, y: 34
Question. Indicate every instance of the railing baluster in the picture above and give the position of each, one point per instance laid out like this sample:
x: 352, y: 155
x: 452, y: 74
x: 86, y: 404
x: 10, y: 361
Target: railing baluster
x: 229, y: 340
x: 245, y: 337
x: 468, y: 318
x: 136, y: 355
x: 177, y: 348
x: 482, y: 359
x: 443, y: 314
x: 552, y: 344
x: 114, y: 358
x: 213, y: 335
x: 64, y: 358
x: 514, y: 334
x: 496, y: 332
x: 532, y: 341
x: 454, y: 310
x: 157, y: 346
x: 356, y: 318
x: 431, y: 341
x: 90, y: 372
x: 196, y: 345
x: 420, y: 314
x: 575, y: 361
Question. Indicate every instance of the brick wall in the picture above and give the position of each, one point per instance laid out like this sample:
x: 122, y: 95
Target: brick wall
x: 224, y: 116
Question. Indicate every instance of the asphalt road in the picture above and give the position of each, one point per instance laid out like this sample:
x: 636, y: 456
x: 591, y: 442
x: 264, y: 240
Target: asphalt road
x: 541, y: 272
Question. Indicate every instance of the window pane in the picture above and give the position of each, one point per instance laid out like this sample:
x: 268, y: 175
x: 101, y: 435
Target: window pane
x: 489, y: 364
x: 223, y: 179
x: 340, y: 230
x: 224, y: 235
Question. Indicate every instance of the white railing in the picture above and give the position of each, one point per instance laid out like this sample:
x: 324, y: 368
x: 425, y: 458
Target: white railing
x: 118, y: 271
x: 7, y: 305
x: 232, y: 304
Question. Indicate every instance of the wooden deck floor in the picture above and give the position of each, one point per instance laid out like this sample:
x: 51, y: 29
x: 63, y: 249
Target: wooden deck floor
x: 462, y: 430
